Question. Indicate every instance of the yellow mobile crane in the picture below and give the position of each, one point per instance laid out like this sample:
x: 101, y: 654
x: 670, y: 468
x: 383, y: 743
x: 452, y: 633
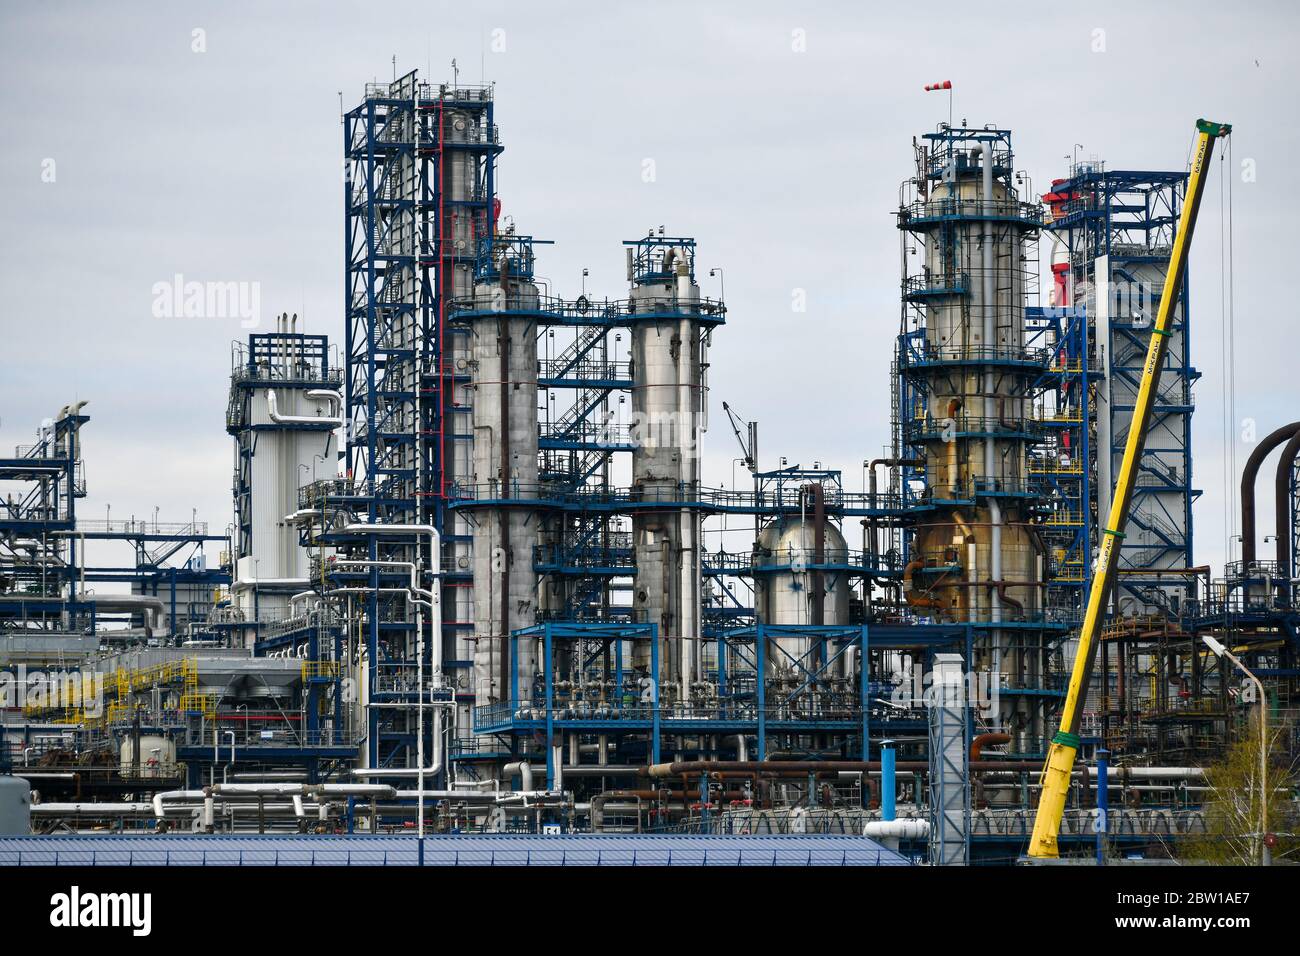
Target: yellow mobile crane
x: 1055, y: 780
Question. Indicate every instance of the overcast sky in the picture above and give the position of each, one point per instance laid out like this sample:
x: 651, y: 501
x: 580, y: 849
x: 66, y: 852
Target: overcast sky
x: 780, y: 133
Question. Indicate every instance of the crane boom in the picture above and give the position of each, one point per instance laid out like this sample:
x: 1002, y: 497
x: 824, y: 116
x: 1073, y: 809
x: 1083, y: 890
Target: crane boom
x: 1055, y: 780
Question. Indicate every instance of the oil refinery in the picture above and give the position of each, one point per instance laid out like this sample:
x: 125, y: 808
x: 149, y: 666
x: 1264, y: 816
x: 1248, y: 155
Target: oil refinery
x: 474, y: 594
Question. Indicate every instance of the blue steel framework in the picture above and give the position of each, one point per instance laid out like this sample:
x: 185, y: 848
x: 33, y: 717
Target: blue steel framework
x: 406, y: 231
x: 50, y: 476
x: 574, y: 492
x: 1064, y: 465
x: 629, y: 711
x: 1295, y: 520
x: 1116, y: 229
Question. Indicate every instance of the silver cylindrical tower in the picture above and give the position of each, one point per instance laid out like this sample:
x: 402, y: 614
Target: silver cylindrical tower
x: 502, y: 345
x: 667, y: 403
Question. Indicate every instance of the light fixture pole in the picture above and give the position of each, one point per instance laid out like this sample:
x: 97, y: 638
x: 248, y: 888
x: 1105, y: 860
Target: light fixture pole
x: 722, y: 283
x: 1265, y: 856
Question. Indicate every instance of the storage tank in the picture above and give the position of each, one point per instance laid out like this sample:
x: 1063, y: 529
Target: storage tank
x: 786, y: 589
x: 794, y: 586
x: 157, y: 756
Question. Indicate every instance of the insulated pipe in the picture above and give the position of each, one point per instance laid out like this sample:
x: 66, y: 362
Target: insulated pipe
x: 1248, y: 475
x: 129, y: 602
x: 435, y: 605
x: 897, y: 829
x: 1282, y: 506
x: 557, y: 763
x: 521, y: 767
x: 279, y: 419
x: 988, y: 264
x: 91, y: 809
x: 953, y: 466
x: 327, y: 394
x: 161, y: 797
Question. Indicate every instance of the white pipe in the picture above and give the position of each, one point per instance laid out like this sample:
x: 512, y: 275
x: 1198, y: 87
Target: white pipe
x: 158, y: 798
x: 328, y: 394
x: 129, y: 602
x: 521, y: 767
x: 90, y: 809
x: 244, y: 583
x: 989, y: 262
x: 906, y: 829
x: 279, y: 419
x: 435, y: 570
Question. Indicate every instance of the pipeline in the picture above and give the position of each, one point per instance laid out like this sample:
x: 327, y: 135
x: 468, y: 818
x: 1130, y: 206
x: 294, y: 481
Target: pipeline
x: 802, y: 768
x: 1282, y: 506
x: 1248, y: 475
x: 980, y: 741
x: 914, y: 598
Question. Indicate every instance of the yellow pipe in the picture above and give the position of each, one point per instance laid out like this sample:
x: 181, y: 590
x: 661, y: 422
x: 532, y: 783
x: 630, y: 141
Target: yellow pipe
x: 1055, y: 780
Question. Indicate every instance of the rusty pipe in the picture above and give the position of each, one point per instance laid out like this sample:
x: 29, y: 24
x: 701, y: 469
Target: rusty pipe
x: 1282, y: 505
x: 980, y: 741
x: 1248, y: 475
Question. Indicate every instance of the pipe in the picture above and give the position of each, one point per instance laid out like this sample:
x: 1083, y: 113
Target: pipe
x: 523, y: 768
x: 953, y: 467
x: 159, y: 798
x: 1248, y: 475
x: 129, y: 602
x: 1282, y: 507
x: 329, y: 395
x: 914, y: 598
x: 980, y: 741
x: 333, y: 421
x: 805, y: 767
x: 888, y: 780
x: 435, y: 605
x: 897, y: 829
x: 91, y: 809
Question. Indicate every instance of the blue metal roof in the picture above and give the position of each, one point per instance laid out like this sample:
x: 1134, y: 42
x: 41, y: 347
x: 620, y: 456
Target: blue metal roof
x: 492, y: 849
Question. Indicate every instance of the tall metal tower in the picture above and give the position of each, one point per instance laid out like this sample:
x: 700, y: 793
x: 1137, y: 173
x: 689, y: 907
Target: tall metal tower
x: 1112, y: 233
x: 419, y: 194
x: 967, y: 380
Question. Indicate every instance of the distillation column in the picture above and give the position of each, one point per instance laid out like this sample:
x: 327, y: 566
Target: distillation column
x: 284, y: 409
x: 503, y: 365
x: 976, y: 558
x: 466, y: 137
x: 667, y: 397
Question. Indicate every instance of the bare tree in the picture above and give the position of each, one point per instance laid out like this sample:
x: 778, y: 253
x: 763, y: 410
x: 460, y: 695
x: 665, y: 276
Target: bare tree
x: 1232, y: 810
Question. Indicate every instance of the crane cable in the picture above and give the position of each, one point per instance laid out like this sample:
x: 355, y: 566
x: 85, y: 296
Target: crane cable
x: 1228, y: 347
